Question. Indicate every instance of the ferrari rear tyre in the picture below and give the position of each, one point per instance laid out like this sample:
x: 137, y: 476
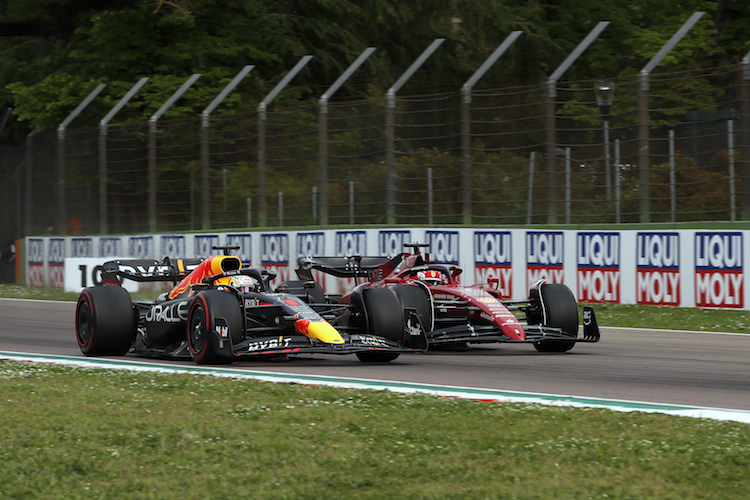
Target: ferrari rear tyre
x: 385, y: 318
x: 105, y: 321
x: 214, y: 319
x: 561, y: 311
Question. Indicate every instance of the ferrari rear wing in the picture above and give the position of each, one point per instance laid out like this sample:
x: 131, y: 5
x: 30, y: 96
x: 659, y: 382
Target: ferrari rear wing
x: 342, y: 267
x: 143, y: 270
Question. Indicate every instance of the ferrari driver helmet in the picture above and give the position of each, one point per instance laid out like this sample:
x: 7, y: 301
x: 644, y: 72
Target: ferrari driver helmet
x: 430, y: 277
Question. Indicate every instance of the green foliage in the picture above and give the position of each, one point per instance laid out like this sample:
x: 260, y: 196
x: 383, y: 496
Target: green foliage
x: 89, y: 42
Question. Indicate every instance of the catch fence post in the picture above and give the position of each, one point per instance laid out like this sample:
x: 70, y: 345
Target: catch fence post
x: 61, y: 202
x: 205, y: 150
x: 262, y: 116
x: 644, y: 161
x: 152, y: 129
x: 103, y: 124
x: 466, y: 123
x: 390, y: 124
x: 551, y: 118
x: 323, y: 132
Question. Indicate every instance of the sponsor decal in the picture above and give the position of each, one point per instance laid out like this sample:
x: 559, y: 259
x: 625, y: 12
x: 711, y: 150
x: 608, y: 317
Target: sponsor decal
x: 141, y: 247
x: 274, y: 255
x: 35, y: 251
x: 274, y: 248
x: 172, y: 246
x: 443, y: 246
x: 35, y: 259
x: 544, y: 256
x: 310, y: 244
x: 110, y: 247
x: 370, y: 340
x: 493, y: 260
x: 56, y: 251
x: 203, y: 245
x: 168, y: 313
x: 81, y: 247
x: 719, y: 280
x: 263, y: 345
x: 56, y: 262
x: 244, y: 241
x: 657, y: 280
x: 391, y: 243
x: 598, y: 260
x: 350, y: 243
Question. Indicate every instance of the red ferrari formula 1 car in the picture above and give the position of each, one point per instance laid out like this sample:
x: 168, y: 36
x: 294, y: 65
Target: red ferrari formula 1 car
x: 436, y: 304
x: 217, y: 312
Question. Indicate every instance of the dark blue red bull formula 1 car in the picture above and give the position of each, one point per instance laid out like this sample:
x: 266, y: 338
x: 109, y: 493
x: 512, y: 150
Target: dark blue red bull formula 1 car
x: 219, y: 311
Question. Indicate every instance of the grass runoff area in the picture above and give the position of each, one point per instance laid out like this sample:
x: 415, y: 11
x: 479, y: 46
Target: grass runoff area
x: 72, y: 432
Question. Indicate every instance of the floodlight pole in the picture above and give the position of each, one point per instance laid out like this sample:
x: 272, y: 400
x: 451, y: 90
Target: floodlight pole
x: 390, y: 135
x: 205, y: 153
x: 152, y: 128
x: 103, y: 201
x: 262, y: 115
x: 323, y: 132
x: 466, y: 122
x: 644, y: 166
x: 61, y: 216
x: 551, y: 115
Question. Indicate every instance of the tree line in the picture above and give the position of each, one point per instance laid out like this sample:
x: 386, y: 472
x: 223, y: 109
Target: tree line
x: 54, y: 52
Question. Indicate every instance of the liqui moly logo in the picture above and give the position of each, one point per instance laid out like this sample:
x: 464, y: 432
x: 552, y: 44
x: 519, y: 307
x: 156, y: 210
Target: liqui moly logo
x: 719, y: 280
x: 110, y: 247
x: 56, y: 262
x: 81, y: 247
x: 598, y: 259
x: 56, y: 251
x: 657, y: 278
x: 391, y: 243
x: 141, y: 247
x: 274, y: 255
x: 274, y: 249
x: 35, y: 251
x: 351, y: 243
x: 544, y: 256
x: 311, y: 244
x: 492, y: 260
x: 245, y: 252
x: 173, y: 246
x: 203, y: 245
x: 35, y: 258
x: 443, y: 247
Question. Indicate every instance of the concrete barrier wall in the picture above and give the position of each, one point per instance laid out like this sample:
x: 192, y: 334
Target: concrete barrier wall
x: 685, y: 268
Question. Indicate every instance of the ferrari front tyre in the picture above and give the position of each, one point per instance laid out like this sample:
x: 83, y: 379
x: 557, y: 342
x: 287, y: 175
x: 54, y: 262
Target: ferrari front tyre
x: 415, y: 297
x: 214, y: 319
x: 385, y: 318
x: 560, y: 311
x: 105, y: 321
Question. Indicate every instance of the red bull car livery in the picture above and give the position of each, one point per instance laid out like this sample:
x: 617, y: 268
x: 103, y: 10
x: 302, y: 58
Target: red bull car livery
x: 219, y: 311
x: 434, y: 302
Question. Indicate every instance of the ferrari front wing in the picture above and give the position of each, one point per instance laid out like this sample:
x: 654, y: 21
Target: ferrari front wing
x: 474, y: 333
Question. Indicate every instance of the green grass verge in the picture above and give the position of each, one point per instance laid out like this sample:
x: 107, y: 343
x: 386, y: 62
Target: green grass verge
x: 90, y: 433
x: 637, y: 316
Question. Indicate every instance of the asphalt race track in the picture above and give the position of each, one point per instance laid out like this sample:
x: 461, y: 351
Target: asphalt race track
x: 678, y: 368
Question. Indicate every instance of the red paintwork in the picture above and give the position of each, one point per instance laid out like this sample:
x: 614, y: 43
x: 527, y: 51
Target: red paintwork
x: 449, y: 298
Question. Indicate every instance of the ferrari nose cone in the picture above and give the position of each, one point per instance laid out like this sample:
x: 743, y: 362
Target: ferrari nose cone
x: 321, y: 330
